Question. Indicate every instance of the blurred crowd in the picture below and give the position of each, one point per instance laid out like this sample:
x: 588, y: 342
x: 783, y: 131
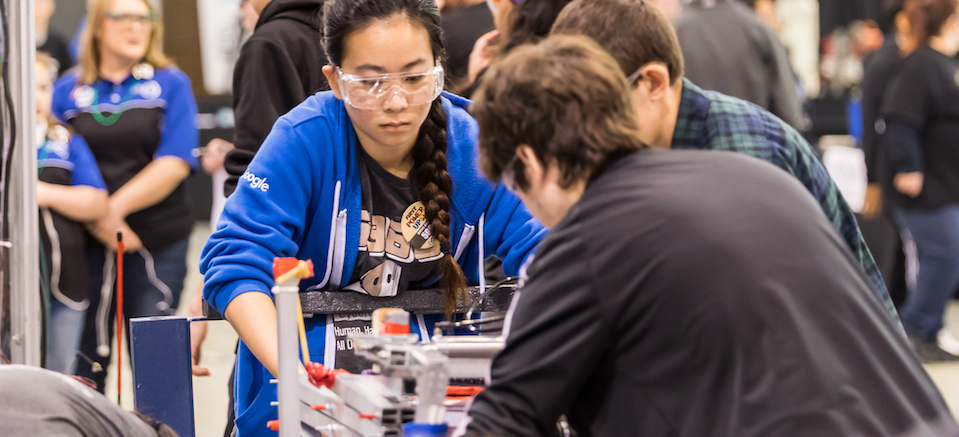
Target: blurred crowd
x: 116, y: 138
x: 125, y: 110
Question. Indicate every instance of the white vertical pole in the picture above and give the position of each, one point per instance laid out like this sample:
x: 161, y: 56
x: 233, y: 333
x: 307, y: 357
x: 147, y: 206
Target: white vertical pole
x: 24, y: 264
x: 288, y: 347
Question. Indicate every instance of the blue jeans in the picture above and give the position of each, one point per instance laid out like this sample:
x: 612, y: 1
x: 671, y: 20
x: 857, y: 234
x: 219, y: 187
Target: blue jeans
x: 152, y: 284
x: 63, y: 337
x: 936, y: 234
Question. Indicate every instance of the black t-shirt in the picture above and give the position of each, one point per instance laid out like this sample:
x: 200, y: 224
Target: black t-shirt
x: 694, y: 293
x: 924, y: 98
x: 387, y: 263
x: 879, y: 68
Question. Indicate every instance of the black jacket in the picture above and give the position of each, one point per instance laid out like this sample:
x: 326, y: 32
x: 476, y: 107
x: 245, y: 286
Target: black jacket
x: 693, y: 293
x: 279, y: 67
x: 879, y: 67
x: 726, y: 48
x: 921, y: 108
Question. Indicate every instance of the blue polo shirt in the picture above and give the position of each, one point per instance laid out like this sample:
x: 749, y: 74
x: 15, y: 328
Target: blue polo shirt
x: 129, y: 124
x: 68, y: 163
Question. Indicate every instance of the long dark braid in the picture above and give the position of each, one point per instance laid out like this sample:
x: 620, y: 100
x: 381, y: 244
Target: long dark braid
x: 340, y: 19
x: 435, y: 189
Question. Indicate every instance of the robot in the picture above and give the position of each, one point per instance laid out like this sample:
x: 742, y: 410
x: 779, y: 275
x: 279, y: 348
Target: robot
x: 408, y: 392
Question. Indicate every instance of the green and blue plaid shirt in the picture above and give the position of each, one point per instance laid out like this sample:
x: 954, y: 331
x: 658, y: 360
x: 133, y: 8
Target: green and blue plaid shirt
x: 712, y: 121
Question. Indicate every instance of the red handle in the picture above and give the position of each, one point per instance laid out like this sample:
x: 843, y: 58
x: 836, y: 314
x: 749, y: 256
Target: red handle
x: 119, y: 312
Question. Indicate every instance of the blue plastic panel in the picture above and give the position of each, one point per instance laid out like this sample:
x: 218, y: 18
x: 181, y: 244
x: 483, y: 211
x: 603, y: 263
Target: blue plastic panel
x: 162, y: 371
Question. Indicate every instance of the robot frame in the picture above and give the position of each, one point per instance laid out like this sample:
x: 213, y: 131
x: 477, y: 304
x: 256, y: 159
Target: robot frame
x: 407, y: 394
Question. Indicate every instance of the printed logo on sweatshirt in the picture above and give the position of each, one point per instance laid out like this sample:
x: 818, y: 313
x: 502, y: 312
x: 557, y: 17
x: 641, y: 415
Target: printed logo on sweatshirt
x: 148, y: 90
x: 257, y: 183
x: 83, y: 96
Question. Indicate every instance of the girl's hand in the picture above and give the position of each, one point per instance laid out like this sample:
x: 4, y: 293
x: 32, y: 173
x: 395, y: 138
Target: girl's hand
x: 484, y: 50
x: 910, y: 183
x: 105, y: 230
x: 214, y: 155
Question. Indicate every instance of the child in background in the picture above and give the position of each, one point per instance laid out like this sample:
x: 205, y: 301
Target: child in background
x: 70, y: 191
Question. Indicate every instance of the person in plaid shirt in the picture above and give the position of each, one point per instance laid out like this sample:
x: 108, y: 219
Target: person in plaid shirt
x: 674, y: 113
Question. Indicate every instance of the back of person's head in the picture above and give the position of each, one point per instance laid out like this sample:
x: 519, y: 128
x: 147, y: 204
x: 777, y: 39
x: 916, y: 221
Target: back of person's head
x: 566, y: 99
x: 927, y: 17
x: 887, y: 15
x: 341, y: 18
x: 634, y: 32
x: 531, y: 21
x: 90, y: 56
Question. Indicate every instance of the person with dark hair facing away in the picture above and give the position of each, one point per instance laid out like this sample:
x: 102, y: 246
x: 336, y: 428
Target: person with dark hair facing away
x: 878, y: 223
x: 279, y: 67
x: 336, y: 181
x: 730, y: 50
x: 922, y: 116
x: 673, y: 113
x: 517, y: 22
x: 687, y: 293
x: 38, y: 402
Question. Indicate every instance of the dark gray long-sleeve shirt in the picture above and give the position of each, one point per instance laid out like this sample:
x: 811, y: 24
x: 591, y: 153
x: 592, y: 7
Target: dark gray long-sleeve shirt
x: 38, y: 402
x: 703, y: 294
x: 727, y: 48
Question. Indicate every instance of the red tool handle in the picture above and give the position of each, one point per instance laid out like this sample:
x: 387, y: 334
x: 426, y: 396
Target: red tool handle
x: 119, y: 312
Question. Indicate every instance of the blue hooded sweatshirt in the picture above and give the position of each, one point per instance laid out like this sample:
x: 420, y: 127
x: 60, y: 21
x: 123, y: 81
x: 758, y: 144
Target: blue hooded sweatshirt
x: 301, y: 197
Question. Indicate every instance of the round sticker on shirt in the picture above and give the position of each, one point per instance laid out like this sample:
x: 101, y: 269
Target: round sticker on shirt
x: 149, y: 89
x: 59, y: 141
x: 83, y: 96
x: 415, y: 228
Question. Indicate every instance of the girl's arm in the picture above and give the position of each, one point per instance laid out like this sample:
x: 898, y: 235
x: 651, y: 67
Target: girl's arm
x: 153, y: 184
x: 78, y: 202
x: 174, y: 155
x: 259, y: 222
x: 253, y: 316
x: 150, y: 186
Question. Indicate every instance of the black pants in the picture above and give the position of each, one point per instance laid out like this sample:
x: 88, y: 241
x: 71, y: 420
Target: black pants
x: 152, y: 284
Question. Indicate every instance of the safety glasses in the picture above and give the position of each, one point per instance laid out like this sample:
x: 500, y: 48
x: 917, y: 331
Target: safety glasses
x: 373, y: 92
x: 127, y: 19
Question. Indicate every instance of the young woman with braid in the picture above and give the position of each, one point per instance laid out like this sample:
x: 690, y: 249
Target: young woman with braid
x: 334, y: 181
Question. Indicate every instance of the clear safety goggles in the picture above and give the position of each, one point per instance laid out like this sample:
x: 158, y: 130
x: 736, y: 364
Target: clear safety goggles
x: 373, y: 92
